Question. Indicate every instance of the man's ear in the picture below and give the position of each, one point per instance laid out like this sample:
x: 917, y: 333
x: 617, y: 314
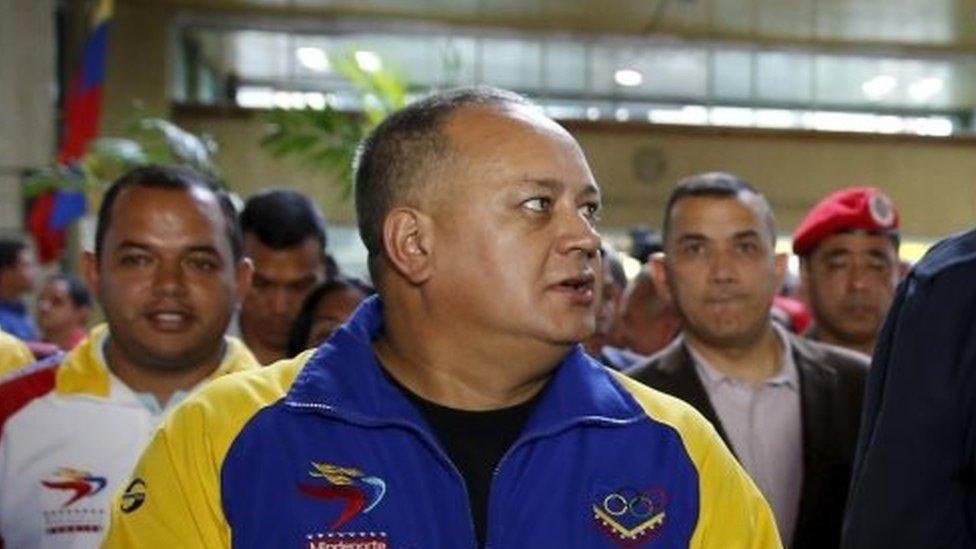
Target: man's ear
x: 659, y: 275
x: 902, y: 267
x: 243, y: 272
x: 408, y: 238
x: 782, y: 266
x: 89, y: 268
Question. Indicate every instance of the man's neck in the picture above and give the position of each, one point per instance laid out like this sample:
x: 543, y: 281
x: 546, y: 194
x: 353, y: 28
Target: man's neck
x: 11, y: 296
x: 160, y: 384
x: 753, y: 362
x: 265, y: 355
x: 64, y: 337
x: 459, y: 370
x: 865, y: 347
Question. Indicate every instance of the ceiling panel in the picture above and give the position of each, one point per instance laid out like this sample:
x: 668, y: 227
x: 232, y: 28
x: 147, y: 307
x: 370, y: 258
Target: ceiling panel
x: 923, y: 23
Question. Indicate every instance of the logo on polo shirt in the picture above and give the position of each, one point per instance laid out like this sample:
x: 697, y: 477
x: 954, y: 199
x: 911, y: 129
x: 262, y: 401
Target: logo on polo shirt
x: 77, y: 483
x: 630, y: 516
x: 71, y: 516
x: 133, y: 496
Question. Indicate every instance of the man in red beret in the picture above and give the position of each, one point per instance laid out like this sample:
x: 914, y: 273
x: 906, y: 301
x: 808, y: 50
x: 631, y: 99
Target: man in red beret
x: 848, y: 249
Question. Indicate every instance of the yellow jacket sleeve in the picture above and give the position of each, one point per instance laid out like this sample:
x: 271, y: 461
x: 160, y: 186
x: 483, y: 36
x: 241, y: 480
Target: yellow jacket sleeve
x: 733, y: 512
x: 173, y: 498
x: 13, y: 354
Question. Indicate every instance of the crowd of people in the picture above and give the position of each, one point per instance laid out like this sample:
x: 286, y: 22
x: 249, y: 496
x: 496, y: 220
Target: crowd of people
x: 502, y: 382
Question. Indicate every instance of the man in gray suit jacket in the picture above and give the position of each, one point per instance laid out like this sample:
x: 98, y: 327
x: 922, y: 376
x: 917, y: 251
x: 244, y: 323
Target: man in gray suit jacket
x: 787, y: 407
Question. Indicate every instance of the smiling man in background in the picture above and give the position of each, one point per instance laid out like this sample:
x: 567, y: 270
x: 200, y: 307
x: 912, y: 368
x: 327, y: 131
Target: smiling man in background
x: 168, y: 270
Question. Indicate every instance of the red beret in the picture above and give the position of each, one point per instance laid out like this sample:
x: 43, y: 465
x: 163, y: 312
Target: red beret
x: 859, y: 208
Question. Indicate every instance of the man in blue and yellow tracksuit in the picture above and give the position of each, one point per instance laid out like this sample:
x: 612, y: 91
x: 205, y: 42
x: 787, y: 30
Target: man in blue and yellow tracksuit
x: 457, y: 409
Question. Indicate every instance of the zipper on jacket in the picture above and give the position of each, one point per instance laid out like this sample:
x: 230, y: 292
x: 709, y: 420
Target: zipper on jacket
x: 522, y: 441
x: 430, y: 441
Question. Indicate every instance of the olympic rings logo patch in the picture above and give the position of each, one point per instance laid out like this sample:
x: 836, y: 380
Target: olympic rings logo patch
x: 630, y: 516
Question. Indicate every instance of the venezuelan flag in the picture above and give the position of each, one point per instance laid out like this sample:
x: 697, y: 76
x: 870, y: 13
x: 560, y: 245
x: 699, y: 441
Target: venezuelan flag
x: 83, y: 107
x: 55, y: 209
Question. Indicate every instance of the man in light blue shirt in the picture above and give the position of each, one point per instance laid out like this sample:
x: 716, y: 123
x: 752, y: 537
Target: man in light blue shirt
x: 16, y: 280
x: 788, y: 408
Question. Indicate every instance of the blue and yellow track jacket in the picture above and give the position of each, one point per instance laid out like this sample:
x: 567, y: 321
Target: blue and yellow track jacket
x: 324, y: 452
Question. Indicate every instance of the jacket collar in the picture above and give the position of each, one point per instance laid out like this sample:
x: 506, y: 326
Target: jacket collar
x: 676, y: 361
x: 83, y: 370
x: 345, y: 376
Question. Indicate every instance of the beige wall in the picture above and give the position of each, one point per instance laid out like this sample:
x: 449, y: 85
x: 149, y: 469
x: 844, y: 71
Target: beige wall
x: 247, y: 167
x: 138, y: 64
x: 931, y: 180
x: 27, y: 86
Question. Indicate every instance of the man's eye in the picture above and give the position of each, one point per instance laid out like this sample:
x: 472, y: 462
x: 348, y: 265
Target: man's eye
x: 133, y: 260
x: 878, y: 265
x: 591, y: 211
x: 204, y: 265
x: 747, y: 247
x: 301, y: 285
x: 538, y: 204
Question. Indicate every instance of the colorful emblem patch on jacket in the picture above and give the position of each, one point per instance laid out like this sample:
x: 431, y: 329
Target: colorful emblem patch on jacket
x: 71, y: 489
x: 358, y: 492
x: 77, y: 483
x: 630, y: 516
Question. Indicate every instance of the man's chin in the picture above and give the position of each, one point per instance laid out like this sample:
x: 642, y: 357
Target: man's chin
x: 164, y: 359
x: 571, y: 335
x: 170, y: 364
x: 729, y: 338
x: 273, y: 336
x: 857, y: 338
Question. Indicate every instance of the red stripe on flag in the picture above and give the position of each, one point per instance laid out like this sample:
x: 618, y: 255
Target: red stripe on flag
x: 82, y: 115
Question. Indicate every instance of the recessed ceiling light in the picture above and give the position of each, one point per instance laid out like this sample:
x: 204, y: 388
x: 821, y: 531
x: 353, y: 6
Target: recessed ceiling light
x: 628, y: 77
x: 879, y: 86
x: 313, y: 58
x: 368, y: 61
x: 925, y: 89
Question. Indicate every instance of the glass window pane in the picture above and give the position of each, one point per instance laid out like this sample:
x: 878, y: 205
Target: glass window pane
x: 511, y: 63
x: 565, y: 66
x: 732, y: 75
x: 783, y: 77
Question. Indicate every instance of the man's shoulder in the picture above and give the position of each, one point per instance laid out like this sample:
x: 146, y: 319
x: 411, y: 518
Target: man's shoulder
x: 844, y: 362
x: 956, y: 251
x: 249, y: 388
x: 17, y: 323
x: 21, y: 387
x: 660, y: 363
x: 696, y: 431
x: 221, y: 408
